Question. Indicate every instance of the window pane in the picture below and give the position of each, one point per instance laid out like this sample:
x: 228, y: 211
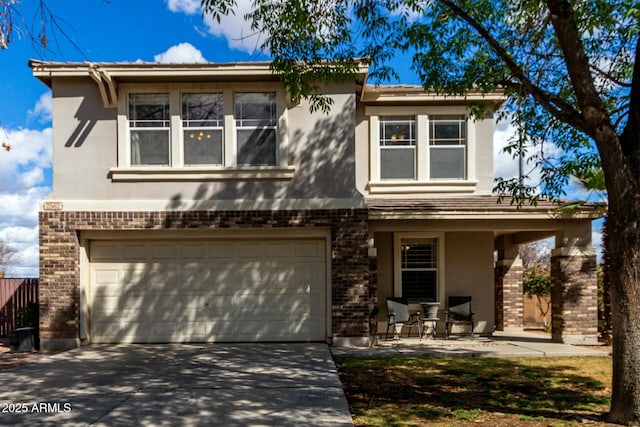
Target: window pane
x: 397, y: 131
x: 420, y: 285
x: 150, y: 147
x: 149, y: 109
x: 419, y: 253
x: 255, y: 109
x: 448, y: 130
x: 447, y: 162
x: 203, y: 147
x: 202, y: 109
x: 397, y: 163
x: 257, y: 147
x: 419, y: 264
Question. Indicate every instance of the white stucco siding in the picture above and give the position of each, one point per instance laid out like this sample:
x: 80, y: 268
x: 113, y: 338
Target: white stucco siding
x: 319, y: 157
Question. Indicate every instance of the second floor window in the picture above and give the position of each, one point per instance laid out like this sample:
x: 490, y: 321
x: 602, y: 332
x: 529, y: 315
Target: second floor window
x: 415, y: 149
x: 397, y: 147
x: 255, y: 115
x: 150, y: 131
x: 203, y: 128
x: 447, y: 147
x: 221, y: 128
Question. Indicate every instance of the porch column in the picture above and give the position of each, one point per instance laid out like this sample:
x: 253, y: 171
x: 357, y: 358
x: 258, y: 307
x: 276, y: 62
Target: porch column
x: 508, y: 287
x: 574, y: 286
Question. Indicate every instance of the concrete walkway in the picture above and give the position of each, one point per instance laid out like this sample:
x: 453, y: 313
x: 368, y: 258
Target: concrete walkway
x: 170, y: 385
x: 501, y: 344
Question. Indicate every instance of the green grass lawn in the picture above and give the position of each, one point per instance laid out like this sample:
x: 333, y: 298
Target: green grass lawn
x: 408, y: 391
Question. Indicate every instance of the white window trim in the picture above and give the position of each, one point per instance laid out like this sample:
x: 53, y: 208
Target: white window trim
x: 176, y: 171
x: 397, y: 260
x: 422, y: 183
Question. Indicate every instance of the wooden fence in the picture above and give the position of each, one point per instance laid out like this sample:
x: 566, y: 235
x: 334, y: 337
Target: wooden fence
x: 533, y: 318
x: 14, y: 295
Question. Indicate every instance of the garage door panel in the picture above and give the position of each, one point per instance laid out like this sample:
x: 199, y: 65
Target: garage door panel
x: 307, y: 250
x: 166, y: 291
x: 220, y: 251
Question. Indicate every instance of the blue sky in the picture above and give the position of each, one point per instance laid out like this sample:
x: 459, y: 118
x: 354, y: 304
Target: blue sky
x: 103, y: 31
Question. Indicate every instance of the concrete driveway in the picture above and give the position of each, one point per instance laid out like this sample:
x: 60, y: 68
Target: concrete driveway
x: 177, y: 385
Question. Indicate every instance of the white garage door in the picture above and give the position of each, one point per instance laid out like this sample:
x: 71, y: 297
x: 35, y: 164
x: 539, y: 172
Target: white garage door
x: 214, y: 290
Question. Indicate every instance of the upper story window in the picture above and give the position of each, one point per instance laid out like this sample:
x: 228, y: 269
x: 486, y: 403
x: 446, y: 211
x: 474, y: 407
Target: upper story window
x: 255, y: 115
x: 447, y: 147
x: 199, y: 131
x: 420, y: 149
x: 397, y: 147
x: 203, y: 128
x: 149, y: 123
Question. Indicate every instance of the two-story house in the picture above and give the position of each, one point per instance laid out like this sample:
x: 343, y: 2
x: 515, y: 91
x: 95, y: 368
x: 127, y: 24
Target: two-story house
x: 198, y: 203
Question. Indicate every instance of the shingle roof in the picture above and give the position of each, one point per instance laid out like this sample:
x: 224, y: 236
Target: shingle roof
x: 478, y: 204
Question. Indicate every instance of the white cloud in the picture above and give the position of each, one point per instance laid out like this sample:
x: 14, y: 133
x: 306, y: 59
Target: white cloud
x: 180, y: 53
x: 19, y: 235
x: 21, y: 208
x: 504, y: 165
x: 234, y: 28
x: 22, y: 167
x: 188, y: 7
x: 42, y: 109
x: 23, y: 261
x: 22, y: 186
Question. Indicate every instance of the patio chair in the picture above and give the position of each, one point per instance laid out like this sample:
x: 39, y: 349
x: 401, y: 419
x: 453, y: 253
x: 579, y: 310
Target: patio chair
x: 430, y: 319
x: 399, y: 317
x: 459, y: 311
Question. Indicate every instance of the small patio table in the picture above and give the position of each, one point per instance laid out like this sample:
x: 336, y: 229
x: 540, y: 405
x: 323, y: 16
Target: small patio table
x: 430, y: 319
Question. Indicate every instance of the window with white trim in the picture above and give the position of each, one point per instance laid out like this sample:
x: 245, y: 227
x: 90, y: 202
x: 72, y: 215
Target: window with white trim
x: 443, y: 150
x: 419, y: 268
x: 397, y: 147
x: 447, y: 147
x: 421, y: 149
x: 183, y: 129
x: 256, y: 119
x: 150, y: 131
x: 203, y: 128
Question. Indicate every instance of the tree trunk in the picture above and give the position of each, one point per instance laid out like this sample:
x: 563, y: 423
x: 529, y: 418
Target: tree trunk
x: 623, y: 228
x: 606, y: 287
x: 625, y: 297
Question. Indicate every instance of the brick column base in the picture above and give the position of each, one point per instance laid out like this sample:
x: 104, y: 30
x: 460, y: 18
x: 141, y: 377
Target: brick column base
x: 574, y: 296
x: 509, y: 295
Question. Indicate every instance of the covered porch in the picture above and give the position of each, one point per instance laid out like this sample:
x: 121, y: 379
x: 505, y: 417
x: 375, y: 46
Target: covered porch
x: 428, y: 250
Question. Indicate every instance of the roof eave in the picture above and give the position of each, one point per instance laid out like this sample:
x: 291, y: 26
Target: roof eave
x: 45, y: 71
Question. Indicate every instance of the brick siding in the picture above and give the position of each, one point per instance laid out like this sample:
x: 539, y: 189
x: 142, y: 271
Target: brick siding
x: 60, y: 250
x: 574, y: 296
x: 509, y: 302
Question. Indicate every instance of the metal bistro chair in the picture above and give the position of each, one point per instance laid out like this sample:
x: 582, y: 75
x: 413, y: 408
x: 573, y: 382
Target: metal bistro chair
x: 430, y: 319
x: 399, y: 316
x: 459, y: 311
